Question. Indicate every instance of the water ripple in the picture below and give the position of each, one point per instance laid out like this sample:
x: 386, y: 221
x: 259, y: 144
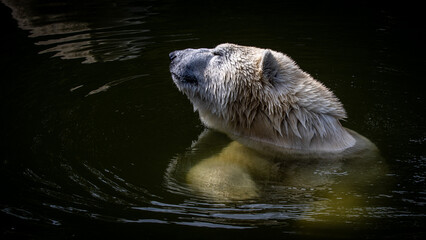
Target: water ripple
x: 108, y: 85
x: 78, y: 32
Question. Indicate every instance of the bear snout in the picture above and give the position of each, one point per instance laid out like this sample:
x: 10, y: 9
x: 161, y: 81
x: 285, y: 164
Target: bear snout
x: 172, y: 55
x: 187, y: 66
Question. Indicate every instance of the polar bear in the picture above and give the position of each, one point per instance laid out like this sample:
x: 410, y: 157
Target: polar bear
x: 261, y: 99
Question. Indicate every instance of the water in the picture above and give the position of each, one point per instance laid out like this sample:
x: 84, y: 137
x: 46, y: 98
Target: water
x: 97, y: 139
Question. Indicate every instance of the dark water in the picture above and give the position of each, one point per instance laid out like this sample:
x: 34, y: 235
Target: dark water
x: 94, y: 130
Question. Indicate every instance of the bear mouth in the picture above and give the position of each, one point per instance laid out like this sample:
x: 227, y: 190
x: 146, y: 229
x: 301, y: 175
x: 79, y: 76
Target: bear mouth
x: 186, y: 79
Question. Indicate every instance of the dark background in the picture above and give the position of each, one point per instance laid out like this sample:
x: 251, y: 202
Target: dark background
x: 91, y: 118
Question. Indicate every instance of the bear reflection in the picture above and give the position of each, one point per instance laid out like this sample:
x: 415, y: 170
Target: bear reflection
x: 220, y: 169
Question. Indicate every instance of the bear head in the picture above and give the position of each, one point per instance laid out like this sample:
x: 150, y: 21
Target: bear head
x: 261, y: 96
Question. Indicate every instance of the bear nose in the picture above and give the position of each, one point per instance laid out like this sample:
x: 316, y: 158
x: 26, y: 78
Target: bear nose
x: 172, y: 55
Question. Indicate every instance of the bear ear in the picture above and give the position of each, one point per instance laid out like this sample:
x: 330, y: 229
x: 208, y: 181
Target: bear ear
x: 270, y: 66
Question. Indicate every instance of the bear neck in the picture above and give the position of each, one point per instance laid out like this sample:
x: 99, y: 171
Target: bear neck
x: 316, y: 134
x: 300, y: 131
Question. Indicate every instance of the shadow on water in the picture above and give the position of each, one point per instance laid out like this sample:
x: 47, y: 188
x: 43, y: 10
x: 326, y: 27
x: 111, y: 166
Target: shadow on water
x: 97, y: 139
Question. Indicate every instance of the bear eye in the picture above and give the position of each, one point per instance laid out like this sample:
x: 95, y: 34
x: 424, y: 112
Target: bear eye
x: 217, y: 53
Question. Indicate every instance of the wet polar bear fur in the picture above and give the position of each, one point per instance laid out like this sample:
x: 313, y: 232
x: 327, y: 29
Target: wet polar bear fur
x: 261, y: 96
x: 264, y: 101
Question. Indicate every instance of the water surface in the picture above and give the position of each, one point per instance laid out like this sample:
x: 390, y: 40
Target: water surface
x: 96, y: 136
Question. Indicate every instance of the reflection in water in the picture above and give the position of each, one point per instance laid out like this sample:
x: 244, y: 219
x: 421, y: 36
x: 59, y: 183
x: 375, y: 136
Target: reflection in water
x: 308, y: 190
x: 108, y: 85
x: 75, y: 29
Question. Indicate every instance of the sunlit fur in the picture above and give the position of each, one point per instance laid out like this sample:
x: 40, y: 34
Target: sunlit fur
x: 262, y: 99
